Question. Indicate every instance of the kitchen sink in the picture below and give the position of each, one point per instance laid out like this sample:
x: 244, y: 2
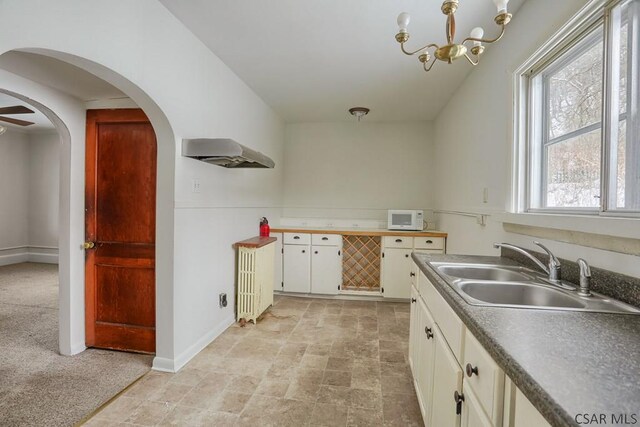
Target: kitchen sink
x: 486, y: 272
x: 498, y: 285
x: 519, y: 294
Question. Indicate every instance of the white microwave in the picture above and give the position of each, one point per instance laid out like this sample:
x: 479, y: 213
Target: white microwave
x: 405, y: 219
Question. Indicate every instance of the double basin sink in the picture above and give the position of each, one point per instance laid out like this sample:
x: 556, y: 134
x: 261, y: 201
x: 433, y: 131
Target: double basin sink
x: 519, y: 287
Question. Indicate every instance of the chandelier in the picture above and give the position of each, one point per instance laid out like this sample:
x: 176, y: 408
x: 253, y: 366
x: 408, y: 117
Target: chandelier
x: 452, y: 51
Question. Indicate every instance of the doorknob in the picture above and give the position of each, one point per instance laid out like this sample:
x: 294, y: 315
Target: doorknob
x: 89, y: 245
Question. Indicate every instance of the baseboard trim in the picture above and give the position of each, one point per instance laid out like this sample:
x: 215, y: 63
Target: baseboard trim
x: 20, y: 254
x: 14, y: 258
x: 174, y: 365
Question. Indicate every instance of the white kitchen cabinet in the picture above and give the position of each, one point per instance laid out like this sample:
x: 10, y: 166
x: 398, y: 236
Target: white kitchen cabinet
x: 277, y: 268
x: 526, y: 415
x: 472, y: 412
x: 396, y: 269
x: 447, y: 380
x: 426, y: 357
x: 326, y: 269
x: 297, y: 268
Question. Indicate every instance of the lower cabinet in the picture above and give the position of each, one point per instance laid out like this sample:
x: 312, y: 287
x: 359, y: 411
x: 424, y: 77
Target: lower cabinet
x: 396, y: 266
x: 447, y: 383
x: 326, y: 270
x: 465, y: 387
x: 473, y: 415
x: 297, y: 268
x: 311, y: 264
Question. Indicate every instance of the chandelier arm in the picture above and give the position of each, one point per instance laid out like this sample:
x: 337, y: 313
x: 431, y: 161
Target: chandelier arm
x: 486, y: 41
x: 419, y: 50
x: 427, y: 69
x: 471, y: 60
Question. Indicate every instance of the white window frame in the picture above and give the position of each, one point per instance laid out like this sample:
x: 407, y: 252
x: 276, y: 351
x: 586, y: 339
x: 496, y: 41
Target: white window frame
x: 596, y: 13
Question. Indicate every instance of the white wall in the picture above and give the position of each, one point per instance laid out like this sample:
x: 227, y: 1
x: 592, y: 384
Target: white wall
x: 357, y: 170
x: 473, y: 142
x: 44, y: 192
x: 14, y: 200
x: 187, y: 92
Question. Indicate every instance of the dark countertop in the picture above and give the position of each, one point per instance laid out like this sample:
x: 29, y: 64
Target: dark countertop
x: 565, y: 362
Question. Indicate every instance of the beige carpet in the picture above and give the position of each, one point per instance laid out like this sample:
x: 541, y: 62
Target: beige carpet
x: 38, y: 386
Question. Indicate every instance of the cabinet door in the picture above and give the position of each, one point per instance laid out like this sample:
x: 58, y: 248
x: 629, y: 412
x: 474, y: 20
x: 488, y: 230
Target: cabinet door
x: 297, y: 268
x: 414, y: 332
x: 396, y: 266
x: 447, y: 379
x: 277, y: 268
x: 425, y: 359
x: 472, y: 413
x: 326, y: 269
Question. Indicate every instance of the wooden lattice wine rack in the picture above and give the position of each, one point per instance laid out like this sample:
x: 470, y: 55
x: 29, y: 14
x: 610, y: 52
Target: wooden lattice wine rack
x: 361, y: 263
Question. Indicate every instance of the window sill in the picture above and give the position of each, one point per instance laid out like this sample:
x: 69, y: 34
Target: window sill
x: 628, y: 228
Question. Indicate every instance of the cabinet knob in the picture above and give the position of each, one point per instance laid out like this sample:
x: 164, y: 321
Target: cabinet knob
x: 406, y: 255
x: 315, y: 252
x: 429, y: 332
x: 398, y: 240
x: 304, y: 252
x: 471, y: 370
x: 413, y: 300
x: 412, y: 274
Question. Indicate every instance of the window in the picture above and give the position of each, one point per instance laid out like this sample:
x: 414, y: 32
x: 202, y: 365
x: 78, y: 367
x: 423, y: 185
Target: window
x: 580, y: 105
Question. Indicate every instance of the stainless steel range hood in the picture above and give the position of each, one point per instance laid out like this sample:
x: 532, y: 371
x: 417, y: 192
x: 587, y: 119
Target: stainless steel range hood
x: 224, y: 152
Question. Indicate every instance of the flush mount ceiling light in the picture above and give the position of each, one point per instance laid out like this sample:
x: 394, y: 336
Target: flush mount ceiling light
x: 359, y: 112
x: 452, y: 51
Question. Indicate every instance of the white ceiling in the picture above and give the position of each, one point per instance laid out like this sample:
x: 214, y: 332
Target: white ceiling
x: 313, y: 60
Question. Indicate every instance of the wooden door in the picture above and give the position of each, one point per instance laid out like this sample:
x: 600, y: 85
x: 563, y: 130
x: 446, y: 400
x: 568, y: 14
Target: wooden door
x: 120, y: 199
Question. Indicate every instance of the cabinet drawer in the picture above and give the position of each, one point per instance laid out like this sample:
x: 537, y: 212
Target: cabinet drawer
x: 486, y: 379
x: 297, y: 238
x: 326, y: 239
x: 429, y: 242
x: 452, y: 327
x: 397, y: 242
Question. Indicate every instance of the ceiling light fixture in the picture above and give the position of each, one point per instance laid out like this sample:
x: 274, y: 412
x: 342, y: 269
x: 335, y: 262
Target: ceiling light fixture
x: 452, y: 51
x: 2, y: 129
x: 359, y: 112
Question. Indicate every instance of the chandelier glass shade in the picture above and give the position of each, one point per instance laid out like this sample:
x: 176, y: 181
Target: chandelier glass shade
x: 470, y: 48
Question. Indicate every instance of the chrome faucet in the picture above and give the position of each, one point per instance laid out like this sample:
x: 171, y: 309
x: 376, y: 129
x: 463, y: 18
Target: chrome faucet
x: 585, y: 278
x: 553, y: 269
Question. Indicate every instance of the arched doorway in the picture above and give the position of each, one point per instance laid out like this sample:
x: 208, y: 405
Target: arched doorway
x: 72, y: 310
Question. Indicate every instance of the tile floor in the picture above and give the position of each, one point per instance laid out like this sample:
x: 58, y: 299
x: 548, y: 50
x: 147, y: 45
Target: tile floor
x: 309, y: 362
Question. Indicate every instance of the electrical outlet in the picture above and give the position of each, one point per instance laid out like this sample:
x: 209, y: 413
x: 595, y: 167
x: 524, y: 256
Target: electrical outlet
x: 223, y: 300
x: 195, y: 185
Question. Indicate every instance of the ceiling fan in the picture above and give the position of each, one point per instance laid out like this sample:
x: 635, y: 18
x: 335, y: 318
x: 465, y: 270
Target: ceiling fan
x: 16, y: 109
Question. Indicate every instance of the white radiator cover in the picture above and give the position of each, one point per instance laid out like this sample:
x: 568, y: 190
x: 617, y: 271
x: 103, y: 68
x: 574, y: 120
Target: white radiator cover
x: 255, y: 281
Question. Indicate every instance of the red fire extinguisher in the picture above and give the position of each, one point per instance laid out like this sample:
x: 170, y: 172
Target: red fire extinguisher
x: 264, y: 227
